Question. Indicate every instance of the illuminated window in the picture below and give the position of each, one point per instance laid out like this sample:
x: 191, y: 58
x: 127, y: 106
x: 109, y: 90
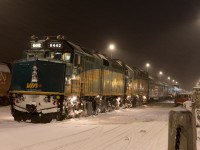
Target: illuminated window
x: 40, y: 55
x: 49, y: 55
x: 66, y: 56
x: 35, y: 55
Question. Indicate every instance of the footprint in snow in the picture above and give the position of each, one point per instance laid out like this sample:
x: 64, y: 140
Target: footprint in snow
x: 143, y: 131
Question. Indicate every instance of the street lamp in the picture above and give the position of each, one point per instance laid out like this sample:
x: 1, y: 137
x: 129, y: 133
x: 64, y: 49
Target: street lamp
x: 168, y: 78
x: 147, y: 66
x: 160, y: 73
x: 111, y: 48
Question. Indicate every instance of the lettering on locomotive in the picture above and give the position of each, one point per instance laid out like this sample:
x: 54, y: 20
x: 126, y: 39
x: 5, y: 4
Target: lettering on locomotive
x: 33, y: 85
x: 36, y: 45
x: 56, y: 45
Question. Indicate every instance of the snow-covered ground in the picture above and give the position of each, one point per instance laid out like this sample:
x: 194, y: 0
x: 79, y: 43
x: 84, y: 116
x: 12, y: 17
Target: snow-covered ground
x: 142, y: 128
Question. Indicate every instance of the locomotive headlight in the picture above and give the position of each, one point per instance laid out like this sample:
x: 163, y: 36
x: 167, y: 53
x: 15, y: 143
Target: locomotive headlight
x: 14, y: 95
x: 144, y: 97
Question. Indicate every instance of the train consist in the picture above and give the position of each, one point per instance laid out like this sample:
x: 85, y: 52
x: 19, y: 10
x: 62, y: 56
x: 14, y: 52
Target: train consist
x: 5, y: 80
x: 58, y: 79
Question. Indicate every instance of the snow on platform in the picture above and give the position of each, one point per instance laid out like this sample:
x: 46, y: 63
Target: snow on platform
x: 143, y: 128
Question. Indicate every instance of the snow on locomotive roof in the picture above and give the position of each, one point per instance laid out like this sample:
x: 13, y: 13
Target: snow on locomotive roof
x: 136, y: 69
x: 129, y: 67
x: 76, y: 47
x: 90, y: 52
x: 102, y: 56
x: 83, y: 50
x: 121, y: 63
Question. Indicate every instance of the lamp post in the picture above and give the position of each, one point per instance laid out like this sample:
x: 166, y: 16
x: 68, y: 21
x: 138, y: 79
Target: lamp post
x: 147, y: 66
x: 168, y: 78
x: 160, y: 73
x: 173, y: 81
x: 111, y: 48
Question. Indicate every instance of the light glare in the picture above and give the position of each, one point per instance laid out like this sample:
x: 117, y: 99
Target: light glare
x: 111, y: 46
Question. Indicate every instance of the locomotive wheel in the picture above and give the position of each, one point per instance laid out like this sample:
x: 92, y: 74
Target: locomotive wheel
x: 46, y: 118
x: 16, y: 115
x: 17, y: 118
x: 24, y: 118
x: 35, y: 120
x: 60, y: 117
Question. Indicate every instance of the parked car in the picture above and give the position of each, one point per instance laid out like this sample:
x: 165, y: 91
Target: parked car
x: 182, y: 97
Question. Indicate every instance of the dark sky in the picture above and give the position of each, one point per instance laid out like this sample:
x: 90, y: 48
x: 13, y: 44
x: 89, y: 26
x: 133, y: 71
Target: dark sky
x: 165, y: 33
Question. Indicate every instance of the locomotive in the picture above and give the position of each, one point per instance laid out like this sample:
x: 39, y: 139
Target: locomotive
x: 5, y: 81
x: 58, y: 79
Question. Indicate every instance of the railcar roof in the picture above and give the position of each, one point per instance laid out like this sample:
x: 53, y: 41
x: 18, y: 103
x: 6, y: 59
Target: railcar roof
x: 129, y: 67
x: 123, y: 64
x: 91, y: 52
x: 103, y: 57
x: 77, y: 47
x: 84, y: 50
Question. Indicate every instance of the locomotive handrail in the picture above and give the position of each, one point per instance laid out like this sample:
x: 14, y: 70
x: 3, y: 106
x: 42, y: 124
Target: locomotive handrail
x: 35, y: 92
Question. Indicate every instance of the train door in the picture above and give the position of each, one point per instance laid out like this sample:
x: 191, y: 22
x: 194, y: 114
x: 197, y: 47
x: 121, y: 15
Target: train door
x: 75, y: 80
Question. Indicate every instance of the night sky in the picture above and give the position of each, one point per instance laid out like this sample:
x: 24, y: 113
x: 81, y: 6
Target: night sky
x: 165, y: 33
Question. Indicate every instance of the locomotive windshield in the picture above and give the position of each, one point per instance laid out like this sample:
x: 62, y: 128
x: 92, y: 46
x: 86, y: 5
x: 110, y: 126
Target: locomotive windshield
x: 50, y: 55
x: 58, y: 56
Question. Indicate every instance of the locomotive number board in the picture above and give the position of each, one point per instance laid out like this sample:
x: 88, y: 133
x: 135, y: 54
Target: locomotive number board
x: 55, y: 45
x: 36, y: 45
